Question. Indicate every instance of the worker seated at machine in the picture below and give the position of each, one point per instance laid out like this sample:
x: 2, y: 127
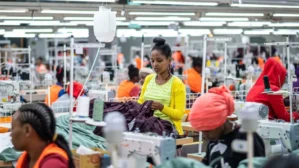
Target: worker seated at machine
x: 194, y: 75
x: 33, y: 131
x: 128, y: 88
x: 144, y: 72
x: 209, y: 114
x: 167, y: 91
x: 56, y: 90
x: 40, y: 66
x: 276, y: 73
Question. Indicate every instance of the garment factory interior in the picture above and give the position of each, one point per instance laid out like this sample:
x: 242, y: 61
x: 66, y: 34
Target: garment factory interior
x: 149, y: 83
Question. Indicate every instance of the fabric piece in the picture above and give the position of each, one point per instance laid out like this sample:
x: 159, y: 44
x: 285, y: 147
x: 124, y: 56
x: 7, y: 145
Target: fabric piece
x: 159, y: 93
x: 210, y: 111
x: 277, y: 74
x: 82, y: 133
x: 258, y: 162
x: 182, y: 163
x: 176, y: 109
x: 9, y: 154
x: 135, y: 91
x: 221, y: 149
x: 125, y: 88
x: 77, y: 89
x: 193, y: 80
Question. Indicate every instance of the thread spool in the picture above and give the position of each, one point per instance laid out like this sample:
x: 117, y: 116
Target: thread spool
x: 98, y: 110
x: 267, y: 84
x: 83, y: 106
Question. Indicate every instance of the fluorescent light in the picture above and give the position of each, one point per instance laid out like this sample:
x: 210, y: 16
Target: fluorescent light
x: 234, y: 14
x: 228, y: 31
x: 157, y: 32
x: 286, y: 24
x: 248, y: 24
x: 197, y: 23
x: 89, y: 18
x: 263, y: 6
x: 194, y: 32
x: 86, y: 0
x: 33, y: 30
x: 14, y: 11
x: 38, y: 23
x: 91, y: 23
x: 151, y: 23
x: 54, y: 35
x: 164, y: 18
x: 18, y: 35
x: 68, y: 12
x: 258, y: 32
x: 285, y: 15
x: 128, y: 33
x: 162, y: 13
x: 9, y: 24
x: 222, y: 19
x: 2, y: 31
x: 25, y: 18
x: 177, y: 3
x: 285, y: 32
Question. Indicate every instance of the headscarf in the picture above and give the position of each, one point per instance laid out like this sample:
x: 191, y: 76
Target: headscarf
x: 210, y: 111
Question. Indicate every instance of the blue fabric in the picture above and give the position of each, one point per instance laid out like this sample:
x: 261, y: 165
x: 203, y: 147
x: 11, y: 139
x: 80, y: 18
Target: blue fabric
x: 62, y: 92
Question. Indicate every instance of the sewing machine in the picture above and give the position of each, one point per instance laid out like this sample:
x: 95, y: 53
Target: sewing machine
x: 9, y: 88
x: 286, y: 134
x: 137, y: 147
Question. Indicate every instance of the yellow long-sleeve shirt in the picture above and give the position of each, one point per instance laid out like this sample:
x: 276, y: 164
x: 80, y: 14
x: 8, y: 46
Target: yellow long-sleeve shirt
x: 177, y: 103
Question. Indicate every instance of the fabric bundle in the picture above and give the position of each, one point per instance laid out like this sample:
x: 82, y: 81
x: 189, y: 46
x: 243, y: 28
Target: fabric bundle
x: 211, y: 110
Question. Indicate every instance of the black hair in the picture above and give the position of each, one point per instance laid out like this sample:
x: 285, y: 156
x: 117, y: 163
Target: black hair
x: 291, y: 161
x: 42, y: 120
x: 197, y: 62
x: 40, y: 58
x: 60, y: 74
x: 161, y: 46
x: 133, y: 72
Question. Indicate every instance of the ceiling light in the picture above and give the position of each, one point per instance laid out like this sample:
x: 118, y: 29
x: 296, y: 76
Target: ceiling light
x: 258, y: 32
x: 248, y: 24
x: 285, y: 15
x: 234, y: 14
x: 33, y: 30
x: 162, y: 13
x: 68, y: 12
x: 228, y: 31
x: 2, y: 31
x: 222, y: 19
x: 90, y: 18
x: 9, y: 24
x: 128, y: 33
x: 151, y: 23
x: 54, y: 35
x: 163, y: 18
x: 284, y: 24
x: 24, y: 18
x: 263, y: 6
x: 285, y: 32
x: 18, y: 35
x: 197, y: 23
x: 13, y: 11
x: 176, y: 3
x: 157, y: 32
x: 86, y: 0
x: 194, y: 32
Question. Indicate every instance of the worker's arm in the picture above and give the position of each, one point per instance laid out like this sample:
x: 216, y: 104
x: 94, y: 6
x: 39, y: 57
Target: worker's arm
x: 277, y: 105
x: 177, y: 113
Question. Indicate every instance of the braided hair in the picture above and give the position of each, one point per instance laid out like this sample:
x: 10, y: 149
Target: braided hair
x: 42, y: 120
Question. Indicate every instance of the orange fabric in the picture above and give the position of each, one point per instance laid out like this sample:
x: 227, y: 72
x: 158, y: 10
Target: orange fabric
x: 54, y: 91
x: 138, y: 62
x: 120, y: 58
x: 277, y: 58
x: 125, y: 88
x: 193, y: 80
x: 5, y: 119
x: 50, y: 149
x: 261, y: 62
x: 178, y: 58
x: 3, y: 129
x: 211, y: 110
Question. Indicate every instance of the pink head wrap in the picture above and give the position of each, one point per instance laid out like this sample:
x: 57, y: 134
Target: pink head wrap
x: 211, y: 110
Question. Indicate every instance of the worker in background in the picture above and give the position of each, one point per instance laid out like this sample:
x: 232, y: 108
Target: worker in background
x: 209, y: 115
x: 144, y: 72
x: 276, y: 73
x: 56, y: 90
x: 128, y: 88
x: 33, y: 131
x: 194, y: 75
x: 138, y: 60
x: 40, y: 66
x: 179, y: 60
x: 167, y: 91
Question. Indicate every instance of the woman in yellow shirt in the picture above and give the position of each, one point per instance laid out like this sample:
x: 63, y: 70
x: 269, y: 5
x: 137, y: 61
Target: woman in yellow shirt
x: 167, y: 91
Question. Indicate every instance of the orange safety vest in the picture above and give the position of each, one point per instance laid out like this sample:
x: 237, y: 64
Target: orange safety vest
x: 261, y: 62
x: 49, y: 150
x: 193, y: 80
x: 125, y: 88
x: 138, y: 62
x: 54, y: 91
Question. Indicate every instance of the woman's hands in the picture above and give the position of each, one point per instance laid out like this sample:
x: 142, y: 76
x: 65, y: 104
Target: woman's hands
x: 157, y: 106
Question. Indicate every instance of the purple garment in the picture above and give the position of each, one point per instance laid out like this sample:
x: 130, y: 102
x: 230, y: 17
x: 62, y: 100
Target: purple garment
x: 296, y: 84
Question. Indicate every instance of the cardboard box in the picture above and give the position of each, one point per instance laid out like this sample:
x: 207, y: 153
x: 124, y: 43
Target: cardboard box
x: 88, y: 161
x: 5, y: 164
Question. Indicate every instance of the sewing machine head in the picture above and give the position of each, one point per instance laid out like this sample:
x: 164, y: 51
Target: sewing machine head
x: 10, y: 88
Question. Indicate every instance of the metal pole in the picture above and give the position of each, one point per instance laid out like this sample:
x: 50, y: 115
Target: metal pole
x: 225, y: 61
x: 71, y: 86
x: 142, y: 50
x: 31, y: 78
x: 290, y: 81
x: 64, y: 65
x: 55, y: 55
x: 0, y: 62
